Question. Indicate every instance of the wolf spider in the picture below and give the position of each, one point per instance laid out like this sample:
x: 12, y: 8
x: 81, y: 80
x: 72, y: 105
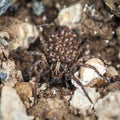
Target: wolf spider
x: 60, y: 58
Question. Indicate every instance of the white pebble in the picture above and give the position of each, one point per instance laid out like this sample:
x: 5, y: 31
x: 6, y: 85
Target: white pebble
x: 108, y: 108
x: 19, y: 33
x: 70, y: 16
x: 12, y: 107
x: 43, y: 86
x: 80, y: 101
x: 89, y: 76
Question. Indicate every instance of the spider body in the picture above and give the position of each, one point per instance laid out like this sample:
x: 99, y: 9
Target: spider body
x: 61, y: 50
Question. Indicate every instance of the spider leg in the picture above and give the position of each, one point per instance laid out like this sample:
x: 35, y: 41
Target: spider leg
x: 30, y: 68
x: 36, y: 86
x: 37, y: 53
x: 38, y: 74
x: 92, y: 67
x: 80, y: 84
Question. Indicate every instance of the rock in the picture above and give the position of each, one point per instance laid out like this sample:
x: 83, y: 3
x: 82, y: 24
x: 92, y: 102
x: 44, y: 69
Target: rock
x: 108, y: 108
x: 43, y: 86
x: 12, y: 107
x: 88, y: 76
x: 9, y: 75
x: 81, y: 102
x: 13, y: 75
x: 24, y: 90
x: 4, y: 41
x: 3, y: 75
x: 4, y: 53
x: 95, y: 23
x: 111, y: 72
x: 5, y: 4
x: 21, y: 34
x: 70, y: 16
x: 38, y: 7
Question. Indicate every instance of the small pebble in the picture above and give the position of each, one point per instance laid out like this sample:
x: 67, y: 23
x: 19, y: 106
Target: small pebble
x: 70, y: 16
x: 24, y: 90
x: 3, y: 42
x: 21, y: 34
x: 80, y: 101
x: 43, y: 86
x: 88, y: 76
x: 111, y: 72
x: 108, y: 108
x: 38, y: 7
x: 3, y: 75
x: 5, y: 4
x: 13, y: 75
x: 12, y: 108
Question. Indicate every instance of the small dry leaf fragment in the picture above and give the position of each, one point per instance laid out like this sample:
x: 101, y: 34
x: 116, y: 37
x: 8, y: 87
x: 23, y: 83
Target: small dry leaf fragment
x: 43, y: 86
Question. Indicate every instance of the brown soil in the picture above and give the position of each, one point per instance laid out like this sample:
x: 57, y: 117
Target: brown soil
x: 53, y: 103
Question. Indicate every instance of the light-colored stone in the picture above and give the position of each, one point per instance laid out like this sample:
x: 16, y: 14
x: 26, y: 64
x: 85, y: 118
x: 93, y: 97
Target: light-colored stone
x: 24, y: 90
x: 43, y: 86
x: 80, y: 101
x: 21, y: 34
x: 111, y: 72
x: 5, y: 4
x: 38, y: 7
x: 12, y: 107
x: 88, y: 76
x: 108, y: 108
x: 13, y: 75
x: 70, y: 16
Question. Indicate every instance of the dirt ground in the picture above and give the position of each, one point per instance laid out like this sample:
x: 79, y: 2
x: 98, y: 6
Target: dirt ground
x: 53, y: 101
